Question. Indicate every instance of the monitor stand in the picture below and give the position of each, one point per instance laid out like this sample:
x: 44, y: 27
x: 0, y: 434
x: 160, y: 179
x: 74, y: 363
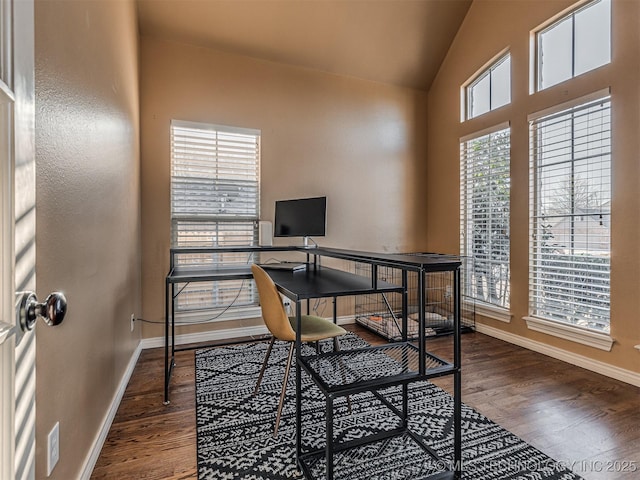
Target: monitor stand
x: 305, y: 242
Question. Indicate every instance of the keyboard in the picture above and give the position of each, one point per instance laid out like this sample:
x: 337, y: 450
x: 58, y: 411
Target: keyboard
x: 289, y: 266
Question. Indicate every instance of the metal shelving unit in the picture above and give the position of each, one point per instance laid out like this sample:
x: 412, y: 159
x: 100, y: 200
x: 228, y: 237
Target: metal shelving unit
x: 380, y: 370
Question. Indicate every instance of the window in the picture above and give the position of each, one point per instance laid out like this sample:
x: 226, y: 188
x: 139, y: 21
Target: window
x: 571, y: 215
x: 214, y: 202
x: 484, y: 213
x: 575, y: 44
x: 491, y: 89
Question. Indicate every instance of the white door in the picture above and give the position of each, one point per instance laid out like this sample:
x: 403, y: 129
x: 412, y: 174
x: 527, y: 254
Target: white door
x: 7, y: 314
x: 17, y: 236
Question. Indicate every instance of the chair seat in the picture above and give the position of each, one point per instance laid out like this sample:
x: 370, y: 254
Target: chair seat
x: 317, y: 328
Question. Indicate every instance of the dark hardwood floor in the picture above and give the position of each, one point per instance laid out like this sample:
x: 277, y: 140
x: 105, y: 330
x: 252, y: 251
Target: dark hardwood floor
x: 587, y: 420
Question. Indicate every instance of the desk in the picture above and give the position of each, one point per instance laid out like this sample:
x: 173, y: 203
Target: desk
x: 321, y: 282
x: 179, y: 273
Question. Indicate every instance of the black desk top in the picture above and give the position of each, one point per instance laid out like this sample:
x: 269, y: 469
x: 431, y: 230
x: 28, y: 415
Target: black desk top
x: 192, y: 273
x: 411, y: 261
x: 313, y: 282
x: 326, y: 282
x: 425, y: 261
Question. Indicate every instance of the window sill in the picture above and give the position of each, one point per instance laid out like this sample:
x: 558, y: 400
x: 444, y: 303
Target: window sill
x: 493, y: 312
x: 572, y: 333
x: 211, y: 316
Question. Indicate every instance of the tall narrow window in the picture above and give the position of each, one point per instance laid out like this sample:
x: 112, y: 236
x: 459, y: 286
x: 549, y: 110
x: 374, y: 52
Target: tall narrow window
x: 491, y: 89
x: 575, y: 44
x: 485, y: 205
x: 215, y: 200
x: 571, y: 215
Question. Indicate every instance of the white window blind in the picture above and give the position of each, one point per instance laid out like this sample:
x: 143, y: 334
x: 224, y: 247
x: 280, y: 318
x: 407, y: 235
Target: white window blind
x: 215, y: 200
x: 571, y: 215
x: 485, y: 186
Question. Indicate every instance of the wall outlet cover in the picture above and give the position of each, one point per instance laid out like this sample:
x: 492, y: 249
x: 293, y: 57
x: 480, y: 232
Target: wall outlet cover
x: 53, y: 448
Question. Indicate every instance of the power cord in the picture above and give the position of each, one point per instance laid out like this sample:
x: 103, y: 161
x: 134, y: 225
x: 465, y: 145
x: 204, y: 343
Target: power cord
x: 210, y: 319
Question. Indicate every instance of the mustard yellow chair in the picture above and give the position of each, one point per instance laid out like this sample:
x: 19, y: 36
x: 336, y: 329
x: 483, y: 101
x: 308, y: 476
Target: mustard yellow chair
x: 282, y: 328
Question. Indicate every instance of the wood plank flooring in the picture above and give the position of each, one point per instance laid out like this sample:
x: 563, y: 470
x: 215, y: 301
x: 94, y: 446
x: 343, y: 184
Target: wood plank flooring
x: 587, y: 420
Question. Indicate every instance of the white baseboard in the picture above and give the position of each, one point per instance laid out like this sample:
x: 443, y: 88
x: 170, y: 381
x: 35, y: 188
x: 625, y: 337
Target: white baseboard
x: 209, y: 336
x: 597, y: 366
x: 96, y: 448
x: 222, y: 334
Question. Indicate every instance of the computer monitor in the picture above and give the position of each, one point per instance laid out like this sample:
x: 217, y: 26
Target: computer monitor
x: 303, y: 217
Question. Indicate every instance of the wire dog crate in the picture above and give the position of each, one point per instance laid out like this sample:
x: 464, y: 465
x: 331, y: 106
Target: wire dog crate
x: 382, y: 313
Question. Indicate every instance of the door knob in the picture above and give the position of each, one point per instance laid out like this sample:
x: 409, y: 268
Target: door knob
x: 52, y: 310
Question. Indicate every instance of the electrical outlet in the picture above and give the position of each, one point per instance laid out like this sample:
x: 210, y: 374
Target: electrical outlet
x: 287, y: 305
x: 133, y: 319
x: 53, y: 448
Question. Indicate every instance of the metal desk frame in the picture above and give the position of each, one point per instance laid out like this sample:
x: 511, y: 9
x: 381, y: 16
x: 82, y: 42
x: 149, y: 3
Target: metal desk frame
x: 322, y: 282
x: 189, y: 274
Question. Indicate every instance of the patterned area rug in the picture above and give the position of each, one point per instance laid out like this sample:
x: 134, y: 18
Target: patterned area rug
x: 235, y: 429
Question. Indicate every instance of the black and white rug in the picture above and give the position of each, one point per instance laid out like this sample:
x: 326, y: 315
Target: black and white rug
x: 235, y: 441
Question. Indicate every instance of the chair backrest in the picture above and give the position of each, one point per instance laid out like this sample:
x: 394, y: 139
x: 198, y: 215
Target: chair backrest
x: 273, y: 313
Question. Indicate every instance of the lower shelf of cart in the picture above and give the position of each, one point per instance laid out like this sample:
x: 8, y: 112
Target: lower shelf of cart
x: 398, y: 457
x: 349, y: 371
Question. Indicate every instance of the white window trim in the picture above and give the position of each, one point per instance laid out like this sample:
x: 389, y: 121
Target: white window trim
x: 485, y: 309
x: 493, y: 312
x: 533, y: 40
x: 226, y: 312
x: 463, y: 89
x: 533, y: 44
x: 590, y: 97
x: 214, y: 127
x: 637, y: 347
x: 485, y: 131
x: 573, y: 333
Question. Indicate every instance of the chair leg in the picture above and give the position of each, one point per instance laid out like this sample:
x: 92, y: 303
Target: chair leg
x: 336, y: 347
x: 284, y: 387
x: 264, y: 365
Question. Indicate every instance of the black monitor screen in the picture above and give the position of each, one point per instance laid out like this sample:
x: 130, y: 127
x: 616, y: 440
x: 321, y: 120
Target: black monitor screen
x: 305, y: 217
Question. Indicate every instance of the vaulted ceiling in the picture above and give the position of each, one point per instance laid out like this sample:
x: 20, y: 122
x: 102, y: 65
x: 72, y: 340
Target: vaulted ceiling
x: 400, y: 42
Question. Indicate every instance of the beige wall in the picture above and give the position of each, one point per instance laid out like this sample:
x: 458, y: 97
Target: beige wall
x: 87, y: 220
x: 490, y: 27
x: 360, y: 143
